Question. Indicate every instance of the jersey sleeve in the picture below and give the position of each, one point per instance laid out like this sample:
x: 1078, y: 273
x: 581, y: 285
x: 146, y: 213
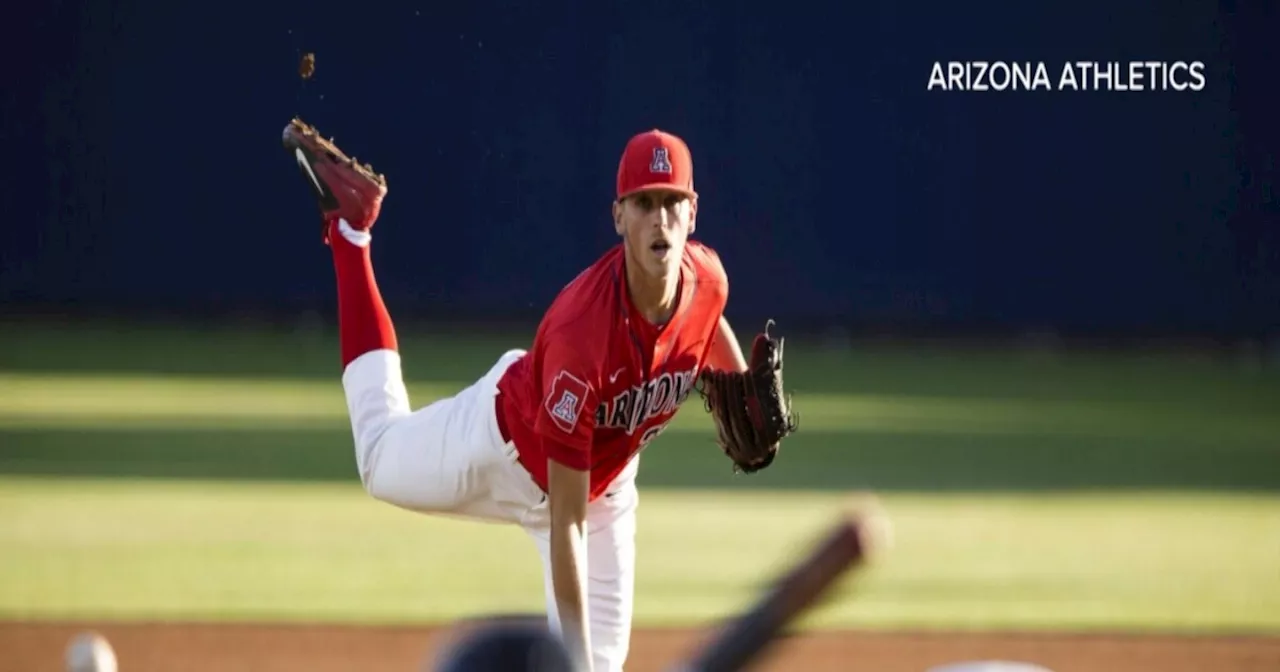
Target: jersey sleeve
x: 566, y: 419
x: 713, y: 295
x: 710, y: 268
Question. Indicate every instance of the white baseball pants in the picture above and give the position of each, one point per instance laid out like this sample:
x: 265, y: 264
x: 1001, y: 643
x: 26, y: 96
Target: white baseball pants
x: 448, y: 458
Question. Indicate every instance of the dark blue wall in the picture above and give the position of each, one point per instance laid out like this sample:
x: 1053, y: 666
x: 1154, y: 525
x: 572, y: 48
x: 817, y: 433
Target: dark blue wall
x: 148, y: 169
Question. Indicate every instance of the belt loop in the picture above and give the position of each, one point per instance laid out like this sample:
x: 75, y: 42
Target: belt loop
x: 498, y: 415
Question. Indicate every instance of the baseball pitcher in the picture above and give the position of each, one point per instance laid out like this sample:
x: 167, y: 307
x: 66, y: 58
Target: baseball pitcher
x: 549, y: 438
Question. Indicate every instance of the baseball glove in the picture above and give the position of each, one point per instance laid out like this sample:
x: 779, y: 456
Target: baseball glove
x: 751, y: 411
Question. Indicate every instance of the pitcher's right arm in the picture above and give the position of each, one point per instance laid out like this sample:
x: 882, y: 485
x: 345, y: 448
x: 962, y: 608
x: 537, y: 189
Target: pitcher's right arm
x: 567, y: 497
x: 566, y: 427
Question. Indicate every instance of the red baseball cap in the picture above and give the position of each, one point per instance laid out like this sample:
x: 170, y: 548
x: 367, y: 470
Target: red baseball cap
x: 655, y: 160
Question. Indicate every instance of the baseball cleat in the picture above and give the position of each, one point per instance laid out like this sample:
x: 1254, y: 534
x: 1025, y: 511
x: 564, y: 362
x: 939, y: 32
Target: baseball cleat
x: 344, y: 188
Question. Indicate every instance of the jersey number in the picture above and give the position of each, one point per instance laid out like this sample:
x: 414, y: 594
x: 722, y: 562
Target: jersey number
x: 649, y: 435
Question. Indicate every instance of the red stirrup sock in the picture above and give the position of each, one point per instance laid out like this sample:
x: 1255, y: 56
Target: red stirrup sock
x: 364, y: 324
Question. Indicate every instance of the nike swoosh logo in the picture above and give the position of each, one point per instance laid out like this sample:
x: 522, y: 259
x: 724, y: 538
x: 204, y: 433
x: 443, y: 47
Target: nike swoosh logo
x: 302, y: 161
x: 614, y: 377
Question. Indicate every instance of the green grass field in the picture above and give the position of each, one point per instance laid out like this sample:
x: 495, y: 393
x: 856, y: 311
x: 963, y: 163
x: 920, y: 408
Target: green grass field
x: 148, y: 473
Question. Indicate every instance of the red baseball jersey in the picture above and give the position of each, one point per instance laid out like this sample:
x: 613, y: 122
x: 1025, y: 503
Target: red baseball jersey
x: 600, y: 381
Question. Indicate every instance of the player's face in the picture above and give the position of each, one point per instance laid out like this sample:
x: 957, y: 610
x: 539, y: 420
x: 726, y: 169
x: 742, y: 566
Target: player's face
x: 655, y: 225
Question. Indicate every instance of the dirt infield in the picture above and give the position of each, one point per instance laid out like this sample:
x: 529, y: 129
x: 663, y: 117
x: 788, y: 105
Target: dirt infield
x: 30, y: 647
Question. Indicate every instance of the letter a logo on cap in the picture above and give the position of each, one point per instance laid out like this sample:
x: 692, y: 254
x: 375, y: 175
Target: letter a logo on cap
x: 655, y: 159
x: 660, y: 163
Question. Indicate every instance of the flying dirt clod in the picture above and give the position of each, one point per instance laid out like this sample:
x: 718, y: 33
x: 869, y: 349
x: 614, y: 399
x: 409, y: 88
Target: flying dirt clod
x: 307, y: 66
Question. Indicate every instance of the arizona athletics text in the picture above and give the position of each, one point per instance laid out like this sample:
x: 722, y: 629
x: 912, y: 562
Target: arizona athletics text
x: 1071, y: 76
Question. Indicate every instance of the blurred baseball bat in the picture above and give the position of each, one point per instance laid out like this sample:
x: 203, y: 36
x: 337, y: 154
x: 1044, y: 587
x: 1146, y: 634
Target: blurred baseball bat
x: 742, y: 639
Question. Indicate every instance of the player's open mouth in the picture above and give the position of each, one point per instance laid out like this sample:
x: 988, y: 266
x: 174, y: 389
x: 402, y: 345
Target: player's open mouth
x: 661, y: 248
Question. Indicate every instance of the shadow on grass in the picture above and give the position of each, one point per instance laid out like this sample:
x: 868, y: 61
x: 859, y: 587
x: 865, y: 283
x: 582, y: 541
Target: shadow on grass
x: 815, y: 460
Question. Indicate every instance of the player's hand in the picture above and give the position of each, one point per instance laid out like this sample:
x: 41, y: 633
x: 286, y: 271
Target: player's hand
x: 751, y: 410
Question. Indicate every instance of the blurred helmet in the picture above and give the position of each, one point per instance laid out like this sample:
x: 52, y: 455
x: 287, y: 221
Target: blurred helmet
x: 518, y: 646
